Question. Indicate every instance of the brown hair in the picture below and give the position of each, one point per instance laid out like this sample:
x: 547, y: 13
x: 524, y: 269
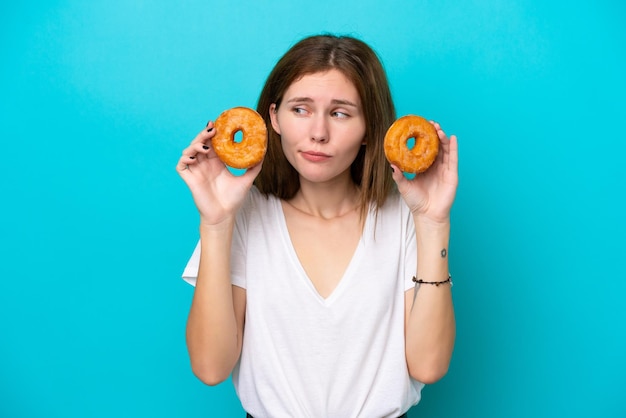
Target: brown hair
x: 359, y: 63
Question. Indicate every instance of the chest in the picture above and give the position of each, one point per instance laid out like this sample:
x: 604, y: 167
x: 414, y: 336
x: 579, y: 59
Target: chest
x: 324, y: 247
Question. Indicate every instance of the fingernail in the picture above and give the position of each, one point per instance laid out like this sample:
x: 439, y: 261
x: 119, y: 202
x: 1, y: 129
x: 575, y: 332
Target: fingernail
x: 207, y: 124
x: 193, y: 158
x: 205, y: 147
x: 210, y: 129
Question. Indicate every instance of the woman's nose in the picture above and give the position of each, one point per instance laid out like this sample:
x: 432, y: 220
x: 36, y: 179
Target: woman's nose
x: 319, y: 129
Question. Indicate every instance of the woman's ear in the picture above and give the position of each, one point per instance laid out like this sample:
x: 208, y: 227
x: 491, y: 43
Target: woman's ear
x: 274, y: 118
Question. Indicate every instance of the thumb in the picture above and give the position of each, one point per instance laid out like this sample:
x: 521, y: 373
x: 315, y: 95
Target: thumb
x: 399, y: 178
x: 252, y: 172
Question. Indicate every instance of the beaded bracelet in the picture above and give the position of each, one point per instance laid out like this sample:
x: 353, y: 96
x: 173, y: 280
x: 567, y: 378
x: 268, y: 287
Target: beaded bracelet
x: 420, y: 281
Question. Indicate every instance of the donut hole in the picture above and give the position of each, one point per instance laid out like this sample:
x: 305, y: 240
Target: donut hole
x: 238, y: 136
x: 410, y: 144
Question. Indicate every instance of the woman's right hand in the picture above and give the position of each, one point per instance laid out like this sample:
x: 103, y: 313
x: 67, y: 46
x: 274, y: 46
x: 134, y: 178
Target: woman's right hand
x: 216, y: 192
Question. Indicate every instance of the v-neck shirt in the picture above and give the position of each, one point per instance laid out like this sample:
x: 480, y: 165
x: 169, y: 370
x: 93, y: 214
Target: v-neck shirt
x: 308, y: 356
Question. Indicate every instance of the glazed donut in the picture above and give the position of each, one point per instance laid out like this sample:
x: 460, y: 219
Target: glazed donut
x: 251, y: 150
x: 422, y: 155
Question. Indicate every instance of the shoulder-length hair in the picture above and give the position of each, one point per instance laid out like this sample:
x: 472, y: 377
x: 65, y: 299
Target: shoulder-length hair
x: 357, y: 61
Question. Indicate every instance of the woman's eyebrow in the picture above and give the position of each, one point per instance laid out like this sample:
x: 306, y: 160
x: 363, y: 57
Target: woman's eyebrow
x: 300, y: 100
x: 344, y: 102
x: 334, y: 101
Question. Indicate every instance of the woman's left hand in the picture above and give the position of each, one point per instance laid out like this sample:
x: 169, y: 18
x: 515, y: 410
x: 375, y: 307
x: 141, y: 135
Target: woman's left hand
x: 430, y: 194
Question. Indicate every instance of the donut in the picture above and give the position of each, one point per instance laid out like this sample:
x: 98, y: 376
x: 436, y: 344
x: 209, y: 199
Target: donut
x: 251, y: 149
x: 422, y: 155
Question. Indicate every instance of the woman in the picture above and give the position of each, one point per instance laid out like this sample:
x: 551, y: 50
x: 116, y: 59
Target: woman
x: 305, y: 268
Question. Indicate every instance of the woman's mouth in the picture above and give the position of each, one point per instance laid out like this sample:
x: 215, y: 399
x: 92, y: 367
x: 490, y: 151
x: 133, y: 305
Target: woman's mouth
x: 314, y: 156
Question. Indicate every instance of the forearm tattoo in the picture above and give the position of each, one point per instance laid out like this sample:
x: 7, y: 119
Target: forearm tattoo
x: 444, y: 254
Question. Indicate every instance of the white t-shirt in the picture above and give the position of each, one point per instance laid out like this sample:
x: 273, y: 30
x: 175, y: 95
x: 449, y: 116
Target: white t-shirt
x: 306, y: 356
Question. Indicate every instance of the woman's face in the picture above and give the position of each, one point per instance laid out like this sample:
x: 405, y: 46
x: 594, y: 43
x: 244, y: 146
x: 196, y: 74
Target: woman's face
x: 321, y: 124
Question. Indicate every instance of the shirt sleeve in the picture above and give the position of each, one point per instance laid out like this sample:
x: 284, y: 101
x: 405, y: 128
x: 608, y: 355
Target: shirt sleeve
x: 190, y: 273
x: 410, y: 252
x: 238, y: 252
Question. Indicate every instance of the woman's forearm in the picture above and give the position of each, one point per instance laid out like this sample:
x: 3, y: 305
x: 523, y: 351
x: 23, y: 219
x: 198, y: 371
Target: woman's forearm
x: 215, y: 325
x: 430, y: 325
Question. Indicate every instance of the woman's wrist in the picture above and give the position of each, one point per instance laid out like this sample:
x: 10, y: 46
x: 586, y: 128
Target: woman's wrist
x: 433, y: 239
x: 225, y: 225
x: 427, y: 225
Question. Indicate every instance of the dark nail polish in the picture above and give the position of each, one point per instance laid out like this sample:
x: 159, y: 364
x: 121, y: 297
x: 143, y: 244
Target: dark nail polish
x: 209, y: 130
x: 207, y: 124
x: 193, y: 158
x: 205, y: 147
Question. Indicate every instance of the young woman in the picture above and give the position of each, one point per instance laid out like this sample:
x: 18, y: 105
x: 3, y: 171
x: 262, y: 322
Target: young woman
x: 304, y: 270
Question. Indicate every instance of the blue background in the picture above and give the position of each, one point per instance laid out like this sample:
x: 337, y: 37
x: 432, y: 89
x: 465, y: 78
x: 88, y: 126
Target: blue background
x: 98, y: 98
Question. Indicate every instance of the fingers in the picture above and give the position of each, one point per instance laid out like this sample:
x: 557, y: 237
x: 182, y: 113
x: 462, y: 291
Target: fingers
x: 252, y: 172
x: 206, y: 134
x: 180, y: 167
x: 445, y: 141
x: 443, y: 138
x: 194, y: 154
x: 398, y: 176
x: 198, y: 150
x: 453, y: 159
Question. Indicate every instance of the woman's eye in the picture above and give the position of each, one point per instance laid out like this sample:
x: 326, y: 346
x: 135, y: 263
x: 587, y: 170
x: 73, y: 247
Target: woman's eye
x: 340, y: 115
x: 299, y: 110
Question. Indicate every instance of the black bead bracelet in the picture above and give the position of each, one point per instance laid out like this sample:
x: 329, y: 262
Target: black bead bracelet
x: 420, y: 281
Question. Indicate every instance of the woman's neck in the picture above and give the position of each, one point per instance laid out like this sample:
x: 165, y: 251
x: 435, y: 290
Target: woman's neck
x: 327, y: 200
